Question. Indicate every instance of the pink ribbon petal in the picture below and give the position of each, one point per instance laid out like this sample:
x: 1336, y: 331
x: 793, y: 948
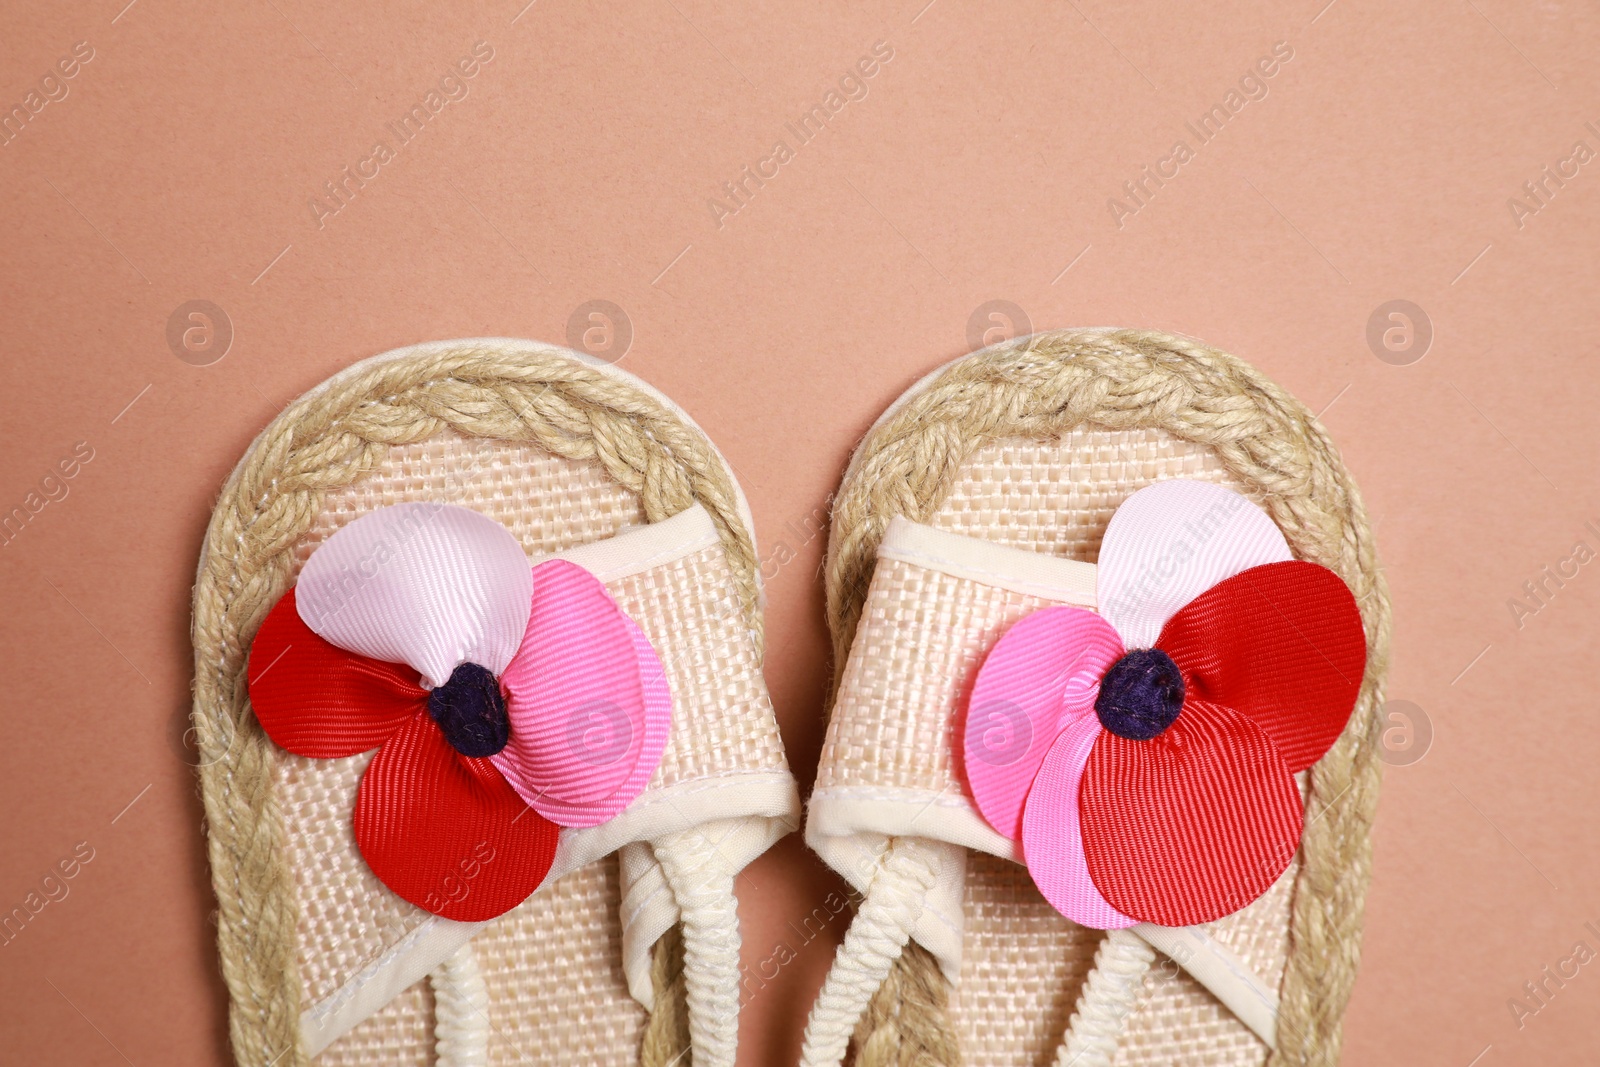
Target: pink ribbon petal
x: 576, y: 695
x: 1052, y: 833
x: 429, y: 585
x: 657, y: 728
x: 1042, y: 675
x: 1170, y: 542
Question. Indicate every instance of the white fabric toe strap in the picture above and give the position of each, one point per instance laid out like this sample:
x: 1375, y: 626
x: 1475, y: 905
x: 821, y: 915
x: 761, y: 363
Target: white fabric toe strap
x: 937, y: 603
x: 720, y: 797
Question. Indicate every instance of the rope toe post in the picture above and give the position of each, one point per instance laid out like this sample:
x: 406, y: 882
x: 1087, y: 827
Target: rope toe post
x: 1110, y: 995
x: 907, y: 1024
x: 461, y: 1011
x: 702, y: 881
x: 874, y: 943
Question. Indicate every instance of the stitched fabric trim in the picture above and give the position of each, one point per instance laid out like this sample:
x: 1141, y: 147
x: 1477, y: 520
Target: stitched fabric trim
x: 1066, y: 581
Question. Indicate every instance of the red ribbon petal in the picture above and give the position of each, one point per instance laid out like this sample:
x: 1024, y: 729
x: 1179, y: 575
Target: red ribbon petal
x: 1191, y: 825
x: 1281, y: 644
x: 446, y: 831
x: 320, y: 701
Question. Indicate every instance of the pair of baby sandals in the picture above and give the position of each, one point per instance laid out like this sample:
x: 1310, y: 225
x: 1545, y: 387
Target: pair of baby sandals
x: 485, y: 743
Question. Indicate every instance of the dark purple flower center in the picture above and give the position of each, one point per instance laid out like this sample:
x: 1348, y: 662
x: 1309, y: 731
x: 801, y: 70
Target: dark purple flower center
x: 471, y: 711
x: 1141, y: 695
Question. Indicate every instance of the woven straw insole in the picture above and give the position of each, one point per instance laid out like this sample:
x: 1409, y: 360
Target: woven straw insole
x: 552, y: 966
x: 1023, y: 964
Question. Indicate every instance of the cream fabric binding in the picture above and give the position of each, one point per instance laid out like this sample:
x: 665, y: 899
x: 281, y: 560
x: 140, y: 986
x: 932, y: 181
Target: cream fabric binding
x: 915, y: 889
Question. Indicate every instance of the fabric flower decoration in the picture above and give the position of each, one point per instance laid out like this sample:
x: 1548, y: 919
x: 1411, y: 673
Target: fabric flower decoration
x: 504, y: 701
x: 1144, y: 757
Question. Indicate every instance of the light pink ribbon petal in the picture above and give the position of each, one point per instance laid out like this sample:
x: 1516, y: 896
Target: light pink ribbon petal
x: 657, y: 727
x: 1170, y: 542
x: 425, y: 584
x: 1042, y: 674
x: 1052, y: 834
x: 575, y: 695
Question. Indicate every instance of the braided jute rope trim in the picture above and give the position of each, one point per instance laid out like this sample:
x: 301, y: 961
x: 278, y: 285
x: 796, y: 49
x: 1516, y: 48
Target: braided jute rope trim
x: 324, y: 442
x: 666, y: 1037
x: 907, y: 1024
x: 1048, y: 384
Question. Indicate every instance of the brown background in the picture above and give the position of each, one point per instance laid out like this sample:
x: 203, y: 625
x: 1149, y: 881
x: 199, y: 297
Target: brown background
x: 978, y: 167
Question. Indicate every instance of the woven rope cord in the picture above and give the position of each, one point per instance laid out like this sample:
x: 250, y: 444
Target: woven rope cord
x: 906, y: 1024
x: 701, y: 878
x: 1109, y: 997
x: 461, y: 1011
x: 666, y: 1033
x: 326, y: 441
x: 878, y: 934
x: 1051, y: 383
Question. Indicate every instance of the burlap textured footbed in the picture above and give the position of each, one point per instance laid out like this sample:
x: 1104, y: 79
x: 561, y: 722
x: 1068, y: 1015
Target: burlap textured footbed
x: 1033, y: 445
x: 564, y: 453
